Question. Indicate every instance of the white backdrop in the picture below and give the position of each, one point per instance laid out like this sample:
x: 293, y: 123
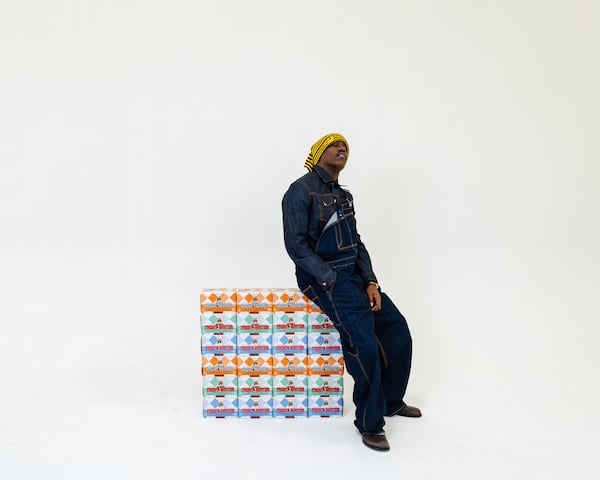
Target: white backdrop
x: 145, y: 148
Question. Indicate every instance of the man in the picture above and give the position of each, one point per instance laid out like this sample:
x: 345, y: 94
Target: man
x: 333, y: 269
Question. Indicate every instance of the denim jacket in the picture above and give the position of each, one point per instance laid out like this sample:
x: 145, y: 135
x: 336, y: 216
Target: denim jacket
x: 320, y: 232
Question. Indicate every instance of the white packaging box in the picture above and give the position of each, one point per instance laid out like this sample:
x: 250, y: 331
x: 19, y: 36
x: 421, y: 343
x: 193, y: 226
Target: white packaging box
x: 219, y: 364
x: 290, y: 406
x: 325, y: 364
x: 218, y: 300
x: 319, y: 322
x: 288, y: 300
x: 218, y: 342
x: 253, y: 300
x: 220, y: 406
x: 255, y: 364
x: 261, y: 385
x: 290, y: 321
x: 254, y: 322
x: 325, y: 385
x: 255, y: 342
x: 290, y: 342
x: 222, y: 385
x: 286, y: 385
x: 324, y: 342
x: 255, y: 406
x: 326, y: 406
x: 290, y: 364
x: 212, y: 322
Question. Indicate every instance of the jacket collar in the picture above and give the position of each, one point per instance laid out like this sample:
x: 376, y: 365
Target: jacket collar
x: 325, y: 177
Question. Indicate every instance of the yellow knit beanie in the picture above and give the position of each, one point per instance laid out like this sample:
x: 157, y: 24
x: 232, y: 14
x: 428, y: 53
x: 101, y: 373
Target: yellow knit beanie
x: 319, y: 147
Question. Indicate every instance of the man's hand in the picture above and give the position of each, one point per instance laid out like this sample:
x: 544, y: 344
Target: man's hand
x: 374, y: 297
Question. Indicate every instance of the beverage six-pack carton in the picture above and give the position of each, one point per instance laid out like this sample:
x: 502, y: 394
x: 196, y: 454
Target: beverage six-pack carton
x: 268, y: 353
x: 325, y: 395
x: 290, y: 396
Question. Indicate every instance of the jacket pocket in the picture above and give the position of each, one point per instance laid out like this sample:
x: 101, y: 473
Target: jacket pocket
x: 345, y: 228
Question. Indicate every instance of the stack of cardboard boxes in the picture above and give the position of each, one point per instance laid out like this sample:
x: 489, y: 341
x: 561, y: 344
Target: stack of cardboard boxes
x: 268, y: 353
x: 326, y: 366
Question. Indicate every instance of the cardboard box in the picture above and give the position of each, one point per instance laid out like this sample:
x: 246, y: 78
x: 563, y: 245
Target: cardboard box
x: 255, y: 385
x: 219, y: 364
x: 218, y: 300
x: 290, y: 364
x: 221, y: 385
x: 286, y: 385
x: 254, y: 322
x: 288, y: 300
x: 290, y: 322
x: 255, y: 406
x: 290, y: 406
x: 259, y: 342
x: 213, y: 322
x: 319, y: 385
x: 254, y: 364
x: 319, y: 322
x: 290, y: 342
x: 220, y: 406
x: 253, y: 300
x: 255, y: 361
x: 326, y: 406
x: 324, y: 342
x: 218, y: 342
x: 325, y: 364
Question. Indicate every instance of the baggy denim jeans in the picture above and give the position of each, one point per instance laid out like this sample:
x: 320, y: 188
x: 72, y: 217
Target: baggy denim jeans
x: 377, y: 346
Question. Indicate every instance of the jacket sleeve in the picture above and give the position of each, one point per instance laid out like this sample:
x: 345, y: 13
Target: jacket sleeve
x: 296, y: 206
x: 363, y: 265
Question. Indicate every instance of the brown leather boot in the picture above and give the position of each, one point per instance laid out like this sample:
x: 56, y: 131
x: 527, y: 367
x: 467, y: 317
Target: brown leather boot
x: 407, y: 411
x: 376, y: 442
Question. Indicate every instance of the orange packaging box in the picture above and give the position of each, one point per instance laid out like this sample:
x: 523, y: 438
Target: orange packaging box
x: 290, y: 364
x: 218, y: 300
x: 288, y: 300
x: 219, y: 364
x: 253, y: 300
x: 255, y: 364
x: 325, y: 364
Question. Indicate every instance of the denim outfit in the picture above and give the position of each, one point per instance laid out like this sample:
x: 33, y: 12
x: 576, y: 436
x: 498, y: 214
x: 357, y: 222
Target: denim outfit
x: 333, y: 269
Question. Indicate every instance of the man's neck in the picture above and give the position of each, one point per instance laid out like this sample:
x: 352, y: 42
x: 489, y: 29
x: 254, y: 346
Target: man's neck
x: 334, y: 174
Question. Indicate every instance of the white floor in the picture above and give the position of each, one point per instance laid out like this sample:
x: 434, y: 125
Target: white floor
x: 141, y: 423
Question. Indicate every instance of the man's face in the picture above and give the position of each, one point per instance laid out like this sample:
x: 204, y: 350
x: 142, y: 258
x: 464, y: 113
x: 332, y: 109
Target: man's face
x: 334, y: 157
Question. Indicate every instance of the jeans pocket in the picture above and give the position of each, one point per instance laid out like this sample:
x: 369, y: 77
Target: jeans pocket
x: 321, y: 296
